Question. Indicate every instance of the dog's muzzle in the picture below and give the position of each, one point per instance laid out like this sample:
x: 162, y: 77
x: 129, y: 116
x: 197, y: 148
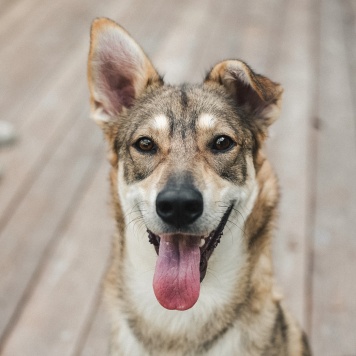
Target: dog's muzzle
x: 182, y: 258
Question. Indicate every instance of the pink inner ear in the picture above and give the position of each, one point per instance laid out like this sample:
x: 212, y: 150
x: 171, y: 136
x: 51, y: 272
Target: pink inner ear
x: 117, y: 65
x: 117, y: 85
x: 246, y: 95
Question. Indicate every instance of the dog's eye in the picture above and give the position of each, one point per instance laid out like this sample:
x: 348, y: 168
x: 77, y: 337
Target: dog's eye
x: 222, y: 143
x: 145, y: 144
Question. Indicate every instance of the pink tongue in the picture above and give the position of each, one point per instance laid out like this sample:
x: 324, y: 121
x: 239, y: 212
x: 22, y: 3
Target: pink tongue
x: 176, y: 282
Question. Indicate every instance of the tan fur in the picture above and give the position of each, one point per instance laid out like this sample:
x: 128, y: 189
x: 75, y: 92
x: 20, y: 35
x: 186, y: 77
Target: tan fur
x: 248, y: 319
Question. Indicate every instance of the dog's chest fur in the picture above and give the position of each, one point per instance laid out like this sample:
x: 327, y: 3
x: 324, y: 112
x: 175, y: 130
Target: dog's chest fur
x: 176, y: 332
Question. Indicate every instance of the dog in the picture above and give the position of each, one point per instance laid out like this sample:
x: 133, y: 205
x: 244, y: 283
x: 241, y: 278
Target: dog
x: 195, y: 204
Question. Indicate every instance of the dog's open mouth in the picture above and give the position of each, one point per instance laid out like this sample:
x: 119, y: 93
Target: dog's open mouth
x: 181, y: 265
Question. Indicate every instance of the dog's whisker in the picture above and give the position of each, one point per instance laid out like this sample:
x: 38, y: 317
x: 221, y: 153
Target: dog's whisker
x: 137, y: 204
x: 239, y: 227
x: 137, y: 218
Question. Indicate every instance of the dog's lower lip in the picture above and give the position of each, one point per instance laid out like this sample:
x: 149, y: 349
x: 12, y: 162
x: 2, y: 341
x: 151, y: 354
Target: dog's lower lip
x: 207, y: 243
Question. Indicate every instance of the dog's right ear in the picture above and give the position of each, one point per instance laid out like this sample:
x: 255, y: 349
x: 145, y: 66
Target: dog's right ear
x: 118, y: 71
x: 257, y: 95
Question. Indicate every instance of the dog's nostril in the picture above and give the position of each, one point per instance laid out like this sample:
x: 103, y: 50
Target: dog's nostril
x: 165, y: 207
x: 179, y: 207
x: 193, y: 206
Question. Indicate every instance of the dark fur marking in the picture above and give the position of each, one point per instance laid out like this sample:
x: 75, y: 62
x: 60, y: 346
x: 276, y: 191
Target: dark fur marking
x: 241, y: 161
x: 255, y: 149
x: 278, y: 340
x: 236, y: 315
x: 306, y: 348
x: 244, y: 171
x: 132, y: 323
x: 151, y: 81
x: 184, y: 98
x: 281, y: 319
x: 192, y: 122
x: 237, y: 171
x: 230, y: 176
x: 263, y: 228
x: 116, y: 145
x: 181, y: 180
x: 170, y: 116
x: 132, y: 173
x: 210, y: 343
x: 140, y: 176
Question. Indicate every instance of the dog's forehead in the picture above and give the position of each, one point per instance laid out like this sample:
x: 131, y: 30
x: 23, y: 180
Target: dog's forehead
x: 185, y: 108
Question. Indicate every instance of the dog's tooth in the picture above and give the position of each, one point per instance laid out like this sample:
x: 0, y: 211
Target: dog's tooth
x: 202, y: 242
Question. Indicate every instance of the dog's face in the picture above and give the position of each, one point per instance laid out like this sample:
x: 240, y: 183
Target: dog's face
x: 185, y: 154
x: 185, y: 159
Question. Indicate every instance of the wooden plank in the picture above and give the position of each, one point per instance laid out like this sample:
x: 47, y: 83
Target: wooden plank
x: 152, y: 33
x: 218, y: 38
x: 43, y: 210
x: 349, y: 25
x: 5, y: 5
x: 9, y: 8
x: 17, y: 22
x: 34, y: 55
x: 288, y: 151
x: 97, y: 340
x: 210, y: 42
x: 334, y: 302
x: 225, y: 33
x: 46, y: 124
x: 262, y: 33
x: 209, y: 36
x: 68, y: 286
x: 14, y: 12
x: 49, y: 109
x: 27, y: 51
x: 177, y: 51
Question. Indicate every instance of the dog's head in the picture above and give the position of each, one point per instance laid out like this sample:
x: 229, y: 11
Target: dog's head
x: 185, y: 155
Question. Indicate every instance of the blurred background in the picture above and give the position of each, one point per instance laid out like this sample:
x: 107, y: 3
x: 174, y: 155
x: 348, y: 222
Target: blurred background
x: 55, y: 223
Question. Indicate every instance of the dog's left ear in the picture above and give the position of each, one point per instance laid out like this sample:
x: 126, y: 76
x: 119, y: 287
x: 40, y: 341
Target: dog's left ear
x: 257, y: 95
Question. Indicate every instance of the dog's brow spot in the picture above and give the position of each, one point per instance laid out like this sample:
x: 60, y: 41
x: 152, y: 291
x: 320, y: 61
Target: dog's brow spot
x: 206, y: 121
x: 160, y: 123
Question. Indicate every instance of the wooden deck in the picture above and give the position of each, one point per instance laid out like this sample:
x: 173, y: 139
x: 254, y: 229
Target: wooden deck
x: 55, y: 227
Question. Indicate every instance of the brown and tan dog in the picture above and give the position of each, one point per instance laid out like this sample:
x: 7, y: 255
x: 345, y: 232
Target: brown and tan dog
x: 195, y: 202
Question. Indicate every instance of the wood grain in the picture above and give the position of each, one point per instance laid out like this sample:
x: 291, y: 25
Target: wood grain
x: 69, y: 280
x: 334, y: 266
x: 288, y: 150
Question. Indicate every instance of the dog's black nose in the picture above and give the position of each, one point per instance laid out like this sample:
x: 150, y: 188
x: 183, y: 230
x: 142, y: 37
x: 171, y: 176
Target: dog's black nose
x: 179, y: 207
